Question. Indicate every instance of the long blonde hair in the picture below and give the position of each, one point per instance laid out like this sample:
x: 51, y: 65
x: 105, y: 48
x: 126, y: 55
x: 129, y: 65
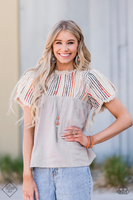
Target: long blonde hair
x: 45, y: 67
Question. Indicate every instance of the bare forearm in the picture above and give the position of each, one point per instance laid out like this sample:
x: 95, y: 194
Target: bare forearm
x: 114, y: 129
x: 28, y: 141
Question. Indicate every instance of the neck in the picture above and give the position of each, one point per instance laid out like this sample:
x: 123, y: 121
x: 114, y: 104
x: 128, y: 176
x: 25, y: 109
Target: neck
x: 64, y: 66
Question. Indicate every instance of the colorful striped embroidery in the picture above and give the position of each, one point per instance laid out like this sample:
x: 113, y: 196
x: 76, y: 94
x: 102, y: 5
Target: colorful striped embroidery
x: 89, y: 86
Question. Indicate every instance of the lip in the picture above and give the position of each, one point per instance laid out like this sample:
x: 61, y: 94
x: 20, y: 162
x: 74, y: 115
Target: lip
x: 65, y: 56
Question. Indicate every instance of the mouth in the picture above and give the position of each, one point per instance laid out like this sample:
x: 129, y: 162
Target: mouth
x: 64, y: 55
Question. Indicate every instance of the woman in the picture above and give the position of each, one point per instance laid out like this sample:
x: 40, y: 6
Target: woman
x: 57, y: 97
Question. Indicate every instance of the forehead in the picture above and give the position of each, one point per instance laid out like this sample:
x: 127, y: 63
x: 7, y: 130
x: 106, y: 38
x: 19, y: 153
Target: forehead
x: 65, y: 35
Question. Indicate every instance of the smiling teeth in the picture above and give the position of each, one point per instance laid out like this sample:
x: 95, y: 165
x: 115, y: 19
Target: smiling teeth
x: 65, y: 54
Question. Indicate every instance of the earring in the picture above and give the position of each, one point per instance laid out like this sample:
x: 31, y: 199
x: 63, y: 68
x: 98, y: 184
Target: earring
x: 77, y: 59
x: 53, y: 58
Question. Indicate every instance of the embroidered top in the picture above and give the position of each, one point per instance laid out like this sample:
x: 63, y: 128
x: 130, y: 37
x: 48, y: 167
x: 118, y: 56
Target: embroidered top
x: 72, y: 95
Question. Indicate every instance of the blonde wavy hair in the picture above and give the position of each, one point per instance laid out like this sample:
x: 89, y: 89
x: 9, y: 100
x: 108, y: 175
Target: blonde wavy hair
x: 45, y: 67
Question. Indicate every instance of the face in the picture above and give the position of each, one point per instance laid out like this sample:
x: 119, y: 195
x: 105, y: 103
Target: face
x: 65, y: 47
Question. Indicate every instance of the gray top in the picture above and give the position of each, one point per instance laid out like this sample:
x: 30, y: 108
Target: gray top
x: 72, y: 94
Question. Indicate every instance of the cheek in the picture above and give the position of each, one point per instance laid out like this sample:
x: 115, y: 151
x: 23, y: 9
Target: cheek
x: 55, y: 48
x: 73, y: 48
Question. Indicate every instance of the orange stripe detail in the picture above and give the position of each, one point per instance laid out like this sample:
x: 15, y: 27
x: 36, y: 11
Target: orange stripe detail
x: 74, y: 84
x: 71, y: 86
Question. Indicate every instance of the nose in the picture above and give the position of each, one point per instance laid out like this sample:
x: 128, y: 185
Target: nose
x: 64, y: 47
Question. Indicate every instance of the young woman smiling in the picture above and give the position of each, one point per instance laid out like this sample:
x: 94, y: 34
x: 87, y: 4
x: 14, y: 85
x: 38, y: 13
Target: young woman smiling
x: 57, y: 97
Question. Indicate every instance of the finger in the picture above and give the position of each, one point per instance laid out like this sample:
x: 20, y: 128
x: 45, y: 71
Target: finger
x: 24, y: 197
x: 36, y: 194
x: 27, y: 198
x: 31, y: 197
x: 68, y: 133
x: 75, y: 129
x: 71, y: 128
x: 72, y: 139
x: 71, y: 134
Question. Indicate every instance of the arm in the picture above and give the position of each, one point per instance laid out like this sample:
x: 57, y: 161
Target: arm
x: 122, y: 122
x: 28, y: 141
x: 29, y: 185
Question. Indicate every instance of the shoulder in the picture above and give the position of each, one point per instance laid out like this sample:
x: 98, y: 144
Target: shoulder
x: 96, y: 78
x: 90, y: 72
x: 100, y: 89
x: 28, y: 75
x: 26, y: 80
x: 25, y: 88
x: 91, y: 75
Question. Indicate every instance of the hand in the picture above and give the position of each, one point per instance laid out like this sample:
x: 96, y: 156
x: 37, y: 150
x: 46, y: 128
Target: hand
x: 79, y: 137
x: 29, y: 187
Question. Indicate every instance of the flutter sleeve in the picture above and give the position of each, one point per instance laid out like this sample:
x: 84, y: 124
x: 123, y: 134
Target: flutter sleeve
x: 100, y: 90
x: 24, y: 93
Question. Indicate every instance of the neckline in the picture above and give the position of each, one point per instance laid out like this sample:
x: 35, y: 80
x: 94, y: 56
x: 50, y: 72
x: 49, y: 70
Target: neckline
x: 64, y: 71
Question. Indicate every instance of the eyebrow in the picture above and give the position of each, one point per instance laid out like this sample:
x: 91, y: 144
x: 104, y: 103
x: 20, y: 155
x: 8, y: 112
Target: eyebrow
x: 67, y: 40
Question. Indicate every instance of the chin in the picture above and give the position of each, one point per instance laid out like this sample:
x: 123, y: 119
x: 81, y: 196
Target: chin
x: 65, y: 61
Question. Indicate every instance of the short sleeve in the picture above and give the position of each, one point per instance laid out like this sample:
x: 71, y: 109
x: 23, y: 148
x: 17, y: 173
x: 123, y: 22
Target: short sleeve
x: 25, y: 90
x: 100, y: 90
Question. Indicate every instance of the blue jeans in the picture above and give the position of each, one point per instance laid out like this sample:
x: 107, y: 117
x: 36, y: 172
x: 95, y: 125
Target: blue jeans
x: 71, y: 183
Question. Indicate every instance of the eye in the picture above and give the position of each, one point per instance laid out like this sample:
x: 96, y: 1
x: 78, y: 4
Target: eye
x: 58, y: 43
x: 70, y: 42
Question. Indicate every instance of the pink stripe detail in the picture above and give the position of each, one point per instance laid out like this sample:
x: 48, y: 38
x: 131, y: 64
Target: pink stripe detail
x: 29, y: 94
x: 93, y: 98
x: 72, y: 83
x: 105, y: 92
